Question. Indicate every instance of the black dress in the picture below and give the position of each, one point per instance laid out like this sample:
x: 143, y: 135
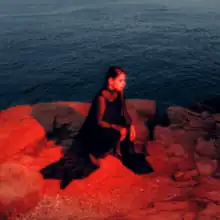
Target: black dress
x: 98, y: 136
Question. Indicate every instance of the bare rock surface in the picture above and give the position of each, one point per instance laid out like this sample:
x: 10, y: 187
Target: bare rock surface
x: 184, y: 155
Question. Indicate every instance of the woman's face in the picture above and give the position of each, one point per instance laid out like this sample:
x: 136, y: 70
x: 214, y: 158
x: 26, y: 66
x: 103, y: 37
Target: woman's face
x: 119, y: 82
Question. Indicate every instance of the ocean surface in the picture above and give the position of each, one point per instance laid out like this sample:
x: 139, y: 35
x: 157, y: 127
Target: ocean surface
x: 60, y: 50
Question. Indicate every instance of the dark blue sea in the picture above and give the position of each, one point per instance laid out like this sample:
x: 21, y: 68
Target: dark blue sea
x: 60, y: 50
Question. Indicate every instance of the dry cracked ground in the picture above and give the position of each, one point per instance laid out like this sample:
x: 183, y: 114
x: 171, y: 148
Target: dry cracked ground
x: 185, y: 156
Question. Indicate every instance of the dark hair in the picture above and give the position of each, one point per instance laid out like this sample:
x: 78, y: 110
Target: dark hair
x: 113, y: 72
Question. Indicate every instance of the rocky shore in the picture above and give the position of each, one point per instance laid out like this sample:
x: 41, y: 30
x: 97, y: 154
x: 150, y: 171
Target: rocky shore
x: 185, y: 155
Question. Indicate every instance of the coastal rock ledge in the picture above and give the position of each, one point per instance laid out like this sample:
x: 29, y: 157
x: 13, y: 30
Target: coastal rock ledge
x: 184, y: 154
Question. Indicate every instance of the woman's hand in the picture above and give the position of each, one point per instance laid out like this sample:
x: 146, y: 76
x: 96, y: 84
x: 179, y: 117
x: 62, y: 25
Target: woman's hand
x: 132, y: 133
x: 123, y: 132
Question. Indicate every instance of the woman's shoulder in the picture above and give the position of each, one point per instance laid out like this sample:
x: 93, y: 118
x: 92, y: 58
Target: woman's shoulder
x: 109, y: 96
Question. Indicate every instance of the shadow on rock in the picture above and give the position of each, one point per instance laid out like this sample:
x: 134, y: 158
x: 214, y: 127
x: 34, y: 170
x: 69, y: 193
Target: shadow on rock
x: 60, y: 122
x: 160, y: 118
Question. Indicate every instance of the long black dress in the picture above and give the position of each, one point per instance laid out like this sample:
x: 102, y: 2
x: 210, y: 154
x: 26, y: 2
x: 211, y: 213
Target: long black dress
x: 98, y: 136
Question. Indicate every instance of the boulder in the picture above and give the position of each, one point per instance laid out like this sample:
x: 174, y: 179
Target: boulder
x: 207, y: 184
x: 24, y: 134
x: 206, y: 167
x: 177, y: 116
x: 176, y: 150
x: 166, y: 189
x: 206, y: 149
x: 163, y: 135
x: 104, y: 194
x: 186, y: 164
x: 184, y: 176
x: 190, y: 216
x: 146, y: 109
x: 20, y: 188
x: 156, y: 149
x: 60, y: 122
x: 203, y: 123
x: 80, y: 107
x: 188, y: 140
x: 175, y: 206
x: 45, y: 157
x: 212, y: 211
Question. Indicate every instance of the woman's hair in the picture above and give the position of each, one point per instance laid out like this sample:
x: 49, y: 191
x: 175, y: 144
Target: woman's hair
x: 113, y: 72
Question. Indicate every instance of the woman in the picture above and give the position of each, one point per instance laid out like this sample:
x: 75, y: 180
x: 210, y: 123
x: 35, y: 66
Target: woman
x: 108, y: 122
x: 107, y: 128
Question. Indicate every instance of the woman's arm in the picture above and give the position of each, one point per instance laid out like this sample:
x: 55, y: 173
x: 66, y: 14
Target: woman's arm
x: 128, y: 120
x: 101, y: 111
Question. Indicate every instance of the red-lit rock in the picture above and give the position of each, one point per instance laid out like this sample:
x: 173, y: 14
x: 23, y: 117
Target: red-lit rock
x: 212, y: 211
x: 27, y: 134
x: 145, y: 108
x: 187, y: 175
x: 59, y: 121
x: 112, y: 192
x: 176, y: 150
x: 175, y: 206
x: 190, y: 216
x: 20, y: 188
x: 186, y: 164
x: 206, y: 149
x: 206, y: 167
x: 163, y: 135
